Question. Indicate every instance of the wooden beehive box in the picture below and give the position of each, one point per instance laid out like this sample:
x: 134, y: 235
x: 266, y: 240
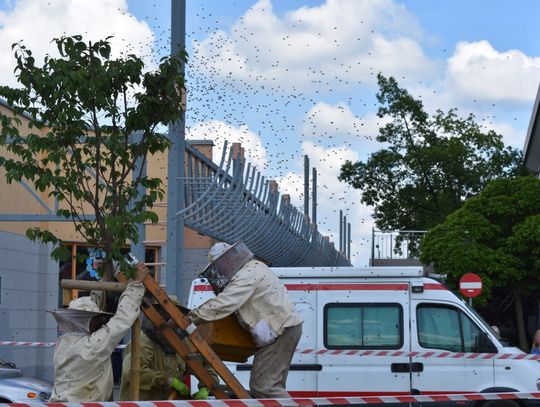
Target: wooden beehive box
x: 229, y: 340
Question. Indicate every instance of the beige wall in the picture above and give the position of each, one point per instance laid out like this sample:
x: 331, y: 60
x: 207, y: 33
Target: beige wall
x: 14, y: 198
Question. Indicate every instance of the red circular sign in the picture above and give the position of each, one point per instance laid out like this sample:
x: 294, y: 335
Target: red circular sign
x: 470, y: 285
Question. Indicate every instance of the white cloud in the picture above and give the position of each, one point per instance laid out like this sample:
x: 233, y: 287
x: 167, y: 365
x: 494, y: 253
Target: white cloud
x: 37, y: 22
x: 511, y: 135
x: 219, y: 132
x: 338, y: 121
x: 333, y: 196
x: 479, y: 71
x: 337, y: 43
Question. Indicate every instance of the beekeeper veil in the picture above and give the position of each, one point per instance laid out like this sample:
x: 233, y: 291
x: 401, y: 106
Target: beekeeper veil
x: 78, y: 316
x: 224, y: 262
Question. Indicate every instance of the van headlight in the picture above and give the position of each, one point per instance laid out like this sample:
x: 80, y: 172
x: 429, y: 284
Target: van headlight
x: 538, y: 384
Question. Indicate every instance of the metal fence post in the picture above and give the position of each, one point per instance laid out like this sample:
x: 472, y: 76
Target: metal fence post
x: 306, y: 185
x: 349, y: 242
x: 176, y: 170
x: 340, y: 230
x: 314, y: 197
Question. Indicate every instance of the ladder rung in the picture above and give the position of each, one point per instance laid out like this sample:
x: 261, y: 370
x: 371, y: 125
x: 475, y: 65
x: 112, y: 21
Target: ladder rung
x: 194, y: 356
x: 222, y: 387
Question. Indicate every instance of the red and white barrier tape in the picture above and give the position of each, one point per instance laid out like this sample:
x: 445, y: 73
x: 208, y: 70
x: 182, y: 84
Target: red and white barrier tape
x: 425, y: 354
x: 28, y: 344
x: 348, y: 352
x: 38, y: 344
x: 295, y: 402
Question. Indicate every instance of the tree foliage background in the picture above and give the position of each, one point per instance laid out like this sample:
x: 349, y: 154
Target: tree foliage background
x: 428, y: 165
x: 84, y: 108
x: 495, y: 234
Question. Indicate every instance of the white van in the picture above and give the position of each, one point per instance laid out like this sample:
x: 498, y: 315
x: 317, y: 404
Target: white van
x: 394, y: 309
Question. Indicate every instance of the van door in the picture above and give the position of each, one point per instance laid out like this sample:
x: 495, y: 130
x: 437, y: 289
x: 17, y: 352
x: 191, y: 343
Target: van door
x: 302, y: 379
x: 443, y: 326
x: 358, y: 317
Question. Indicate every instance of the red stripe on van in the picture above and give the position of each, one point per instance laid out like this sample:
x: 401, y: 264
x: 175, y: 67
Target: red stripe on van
x: 346, y: 287
x: 343, y: 287
x: 329, y: 287
x: 202, y: 287
x: 434, y: 286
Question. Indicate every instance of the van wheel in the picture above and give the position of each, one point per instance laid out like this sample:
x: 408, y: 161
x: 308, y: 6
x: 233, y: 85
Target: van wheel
x: 500, y: 403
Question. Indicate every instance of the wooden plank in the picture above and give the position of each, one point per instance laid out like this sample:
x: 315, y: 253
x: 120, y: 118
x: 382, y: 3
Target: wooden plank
x: 135, y: 359
x: 92, y: 285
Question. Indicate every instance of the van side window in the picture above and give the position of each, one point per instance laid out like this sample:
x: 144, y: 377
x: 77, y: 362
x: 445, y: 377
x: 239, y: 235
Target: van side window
x: 446, y: 328
x: 363, y: 326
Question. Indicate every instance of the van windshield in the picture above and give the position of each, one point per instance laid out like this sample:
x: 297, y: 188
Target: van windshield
x: 503, y: 342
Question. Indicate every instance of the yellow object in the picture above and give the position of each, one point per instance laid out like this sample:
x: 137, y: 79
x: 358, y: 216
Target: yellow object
x: 229, y: 340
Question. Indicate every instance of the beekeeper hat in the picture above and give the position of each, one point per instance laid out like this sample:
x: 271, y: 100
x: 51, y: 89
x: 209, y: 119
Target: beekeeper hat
x: 86, y: 304
x: 217, y: 250
x: 76, y: 318
x: 224, y: 261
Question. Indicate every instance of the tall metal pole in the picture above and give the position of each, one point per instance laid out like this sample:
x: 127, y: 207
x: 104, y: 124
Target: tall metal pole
x: 345, y: 238
x: 306, y: 185
x: 372, y: 246
x: 340, y: 230
x: 314, y: 197
x: 349, y: 241
x: 175, y: 173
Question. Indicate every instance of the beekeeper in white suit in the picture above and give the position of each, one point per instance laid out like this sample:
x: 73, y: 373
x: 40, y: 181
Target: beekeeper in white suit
x: 250, y: 289
x: 82, y: 357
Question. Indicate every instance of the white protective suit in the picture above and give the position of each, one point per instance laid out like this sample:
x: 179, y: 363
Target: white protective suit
x: 260, y: 299
x: 82, y: 363
x: 263, y: 307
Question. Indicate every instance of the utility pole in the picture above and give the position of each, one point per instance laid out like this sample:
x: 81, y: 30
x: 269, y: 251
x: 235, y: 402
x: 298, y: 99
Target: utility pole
x: 349, y: 241
x: 306, y: 185
x: 345, y: 235
x: 314, y: 197
x: 341, y: 230
x: 175, y: 173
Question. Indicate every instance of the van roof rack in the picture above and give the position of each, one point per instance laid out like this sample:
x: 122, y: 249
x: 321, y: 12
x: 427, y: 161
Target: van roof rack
x: 337, y: 272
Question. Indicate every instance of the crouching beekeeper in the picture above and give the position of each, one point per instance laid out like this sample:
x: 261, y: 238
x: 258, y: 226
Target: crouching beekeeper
x: 161, y: 368
x: 250, y: 289
x: 82, y: 357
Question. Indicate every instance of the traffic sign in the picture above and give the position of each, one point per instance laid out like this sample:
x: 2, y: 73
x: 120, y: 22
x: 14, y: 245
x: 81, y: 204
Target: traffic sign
x: 470, y: 285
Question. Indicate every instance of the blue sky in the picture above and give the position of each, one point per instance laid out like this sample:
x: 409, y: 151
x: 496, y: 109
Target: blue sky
x: 288, y: 78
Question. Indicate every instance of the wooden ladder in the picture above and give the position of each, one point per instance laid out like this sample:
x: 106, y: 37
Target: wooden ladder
x: 195, y: 350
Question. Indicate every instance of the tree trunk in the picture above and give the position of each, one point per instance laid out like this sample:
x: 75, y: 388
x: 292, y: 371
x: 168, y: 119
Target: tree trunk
x: 520, y: 322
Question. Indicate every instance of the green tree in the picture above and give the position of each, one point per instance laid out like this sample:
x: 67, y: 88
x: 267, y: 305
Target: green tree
x: 428, y: 164
x: 495, y: 234
x: 84, y: 106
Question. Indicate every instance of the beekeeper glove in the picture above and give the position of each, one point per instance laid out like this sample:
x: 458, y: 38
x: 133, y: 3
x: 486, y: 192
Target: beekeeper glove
x: 202, y: 394
x: 179, y: 386
x: 194, y: 318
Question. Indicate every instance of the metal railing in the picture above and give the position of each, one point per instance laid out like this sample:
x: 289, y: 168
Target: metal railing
x: 233, y: 201
x: 396, y: 245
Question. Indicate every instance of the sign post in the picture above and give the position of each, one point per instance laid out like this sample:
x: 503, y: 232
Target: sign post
x: 470, y: 285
